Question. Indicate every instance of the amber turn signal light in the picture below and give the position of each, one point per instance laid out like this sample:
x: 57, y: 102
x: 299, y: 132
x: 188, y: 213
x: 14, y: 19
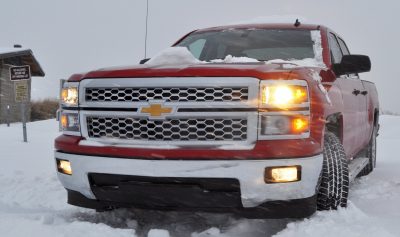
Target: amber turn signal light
x: 64, y: 121
x: 282, y: 174
x: 300, y: 124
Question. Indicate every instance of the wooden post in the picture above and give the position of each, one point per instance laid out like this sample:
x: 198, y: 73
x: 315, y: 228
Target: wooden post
x: 8, y: 115
x: 23, y: 114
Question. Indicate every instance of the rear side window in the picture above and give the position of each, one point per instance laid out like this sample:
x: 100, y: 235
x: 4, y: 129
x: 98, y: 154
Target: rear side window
x: 343, y: 46
x: 336, y: 53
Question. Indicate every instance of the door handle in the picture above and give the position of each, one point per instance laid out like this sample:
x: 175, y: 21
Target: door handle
x: 356, y: 92
x: 364, y: 92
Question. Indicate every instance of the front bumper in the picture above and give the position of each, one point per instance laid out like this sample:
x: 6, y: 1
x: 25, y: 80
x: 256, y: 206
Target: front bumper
x: 249, y: 173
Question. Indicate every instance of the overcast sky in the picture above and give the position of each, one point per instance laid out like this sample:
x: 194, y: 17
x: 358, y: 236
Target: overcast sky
x: 69, y: 36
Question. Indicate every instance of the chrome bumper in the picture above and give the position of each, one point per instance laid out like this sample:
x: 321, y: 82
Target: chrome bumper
x: 250, y: 173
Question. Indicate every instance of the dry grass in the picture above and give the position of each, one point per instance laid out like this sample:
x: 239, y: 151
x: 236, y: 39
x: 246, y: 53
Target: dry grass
x: 43, y: 109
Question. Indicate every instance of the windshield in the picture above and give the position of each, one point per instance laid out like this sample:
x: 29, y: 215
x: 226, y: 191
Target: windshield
x: 260, y: 44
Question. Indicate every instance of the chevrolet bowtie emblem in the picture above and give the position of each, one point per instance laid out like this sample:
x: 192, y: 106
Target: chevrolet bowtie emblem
x: 156, y: 110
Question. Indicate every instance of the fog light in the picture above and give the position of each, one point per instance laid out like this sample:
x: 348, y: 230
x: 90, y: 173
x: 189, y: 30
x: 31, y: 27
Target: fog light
x: 64, y: 166
x: 282, y: 174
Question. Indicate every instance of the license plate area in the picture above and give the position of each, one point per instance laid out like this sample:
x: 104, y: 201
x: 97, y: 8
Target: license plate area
x: 171, y: 192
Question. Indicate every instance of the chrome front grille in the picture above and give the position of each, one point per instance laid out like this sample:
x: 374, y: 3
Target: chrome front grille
x: 206, y: 112
x: 176, y: 129
x: 175, y: 94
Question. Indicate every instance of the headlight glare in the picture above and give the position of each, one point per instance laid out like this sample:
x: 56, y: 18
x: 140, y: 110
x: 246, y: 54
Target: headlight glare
x: 283, y: 95
x: 69, y: 96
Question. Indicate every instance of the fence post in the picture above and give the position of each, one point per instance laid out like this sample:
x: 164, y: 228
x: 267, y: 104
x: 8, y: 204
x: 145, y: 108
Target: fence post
x: 8, y: 115
x: 23, y: 114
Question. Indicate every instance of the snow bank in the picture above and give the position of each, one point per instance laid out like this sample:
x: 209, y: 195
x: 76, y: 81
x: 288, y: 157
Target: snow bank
x: 343, y: 222
x: 158, y: 233
x: 33, y: 202
x: 173, y: 56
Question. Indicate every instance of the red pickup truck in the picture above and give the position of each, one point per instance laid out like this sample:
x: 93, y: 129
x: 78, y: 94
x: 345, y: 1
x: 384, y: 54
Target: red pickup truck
x: 262, y: 120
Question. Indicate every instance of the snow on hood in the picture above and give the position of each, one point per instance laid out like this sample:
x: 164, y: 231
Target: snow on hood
x: 232, y: 59
x: 288, y: 64
x: 173, y: 56
x: 178, y: 56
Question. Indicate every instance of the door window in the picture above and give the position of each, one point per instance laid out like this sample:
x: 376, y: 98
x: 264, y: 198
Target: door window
x: 346, y: 51
x: 336, y: 53
x: 343, y: 46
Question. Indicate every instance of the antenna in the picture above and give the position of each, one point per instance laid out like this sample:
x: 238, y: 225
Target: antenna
x: 297, y: 23
x: 145, y: 36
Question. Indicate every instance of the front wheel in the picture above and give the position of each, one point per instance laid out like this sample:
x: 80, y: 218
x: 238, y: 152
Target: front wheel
x: 334, y: 182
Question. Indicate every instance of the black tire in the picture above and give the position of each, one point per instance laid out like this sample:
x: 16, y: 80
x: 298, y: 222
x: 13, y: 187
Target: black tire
x: 334, y: 182
x: 370, y: 153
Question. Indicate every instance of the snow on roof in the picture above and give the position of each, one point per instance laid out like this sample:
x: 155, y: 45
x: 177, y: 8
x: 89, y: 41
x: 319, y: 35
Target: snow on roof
x: 26, y: 56
x: 11, y: 50
x: 275, y: 19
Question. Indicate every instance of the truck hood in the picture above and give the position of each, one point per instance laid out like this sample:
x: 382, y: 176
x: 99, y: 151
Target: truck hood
x: 258, y: 70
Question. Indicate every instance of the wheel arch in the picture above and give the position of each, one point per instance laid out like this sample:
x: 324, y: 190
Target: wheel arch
x: 334, y: 124
x: 376, y: 118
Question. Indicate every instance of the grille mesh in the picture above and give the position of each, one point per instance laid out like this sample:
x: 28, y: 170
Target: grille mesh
x: 167, y: 94
x: 188, y: 129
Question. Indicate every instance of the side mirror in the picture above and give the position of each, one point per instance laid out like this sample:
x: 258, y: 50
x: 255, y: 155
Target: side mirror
x: 352, y: 64
x: 143, y: 61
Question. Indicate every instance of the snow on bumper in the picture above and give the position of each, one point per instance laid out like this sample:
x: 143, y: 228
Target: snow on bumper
x: 250, y: 173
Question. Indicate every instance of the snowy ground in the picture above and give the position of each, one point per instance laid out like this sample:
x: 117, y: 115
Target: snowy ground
x: 33, y: 202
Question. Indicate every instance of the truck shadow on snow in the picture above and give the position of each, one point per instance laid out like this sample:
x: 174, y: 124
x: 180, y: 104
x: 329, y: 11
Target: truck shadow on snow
x: 182, y: 224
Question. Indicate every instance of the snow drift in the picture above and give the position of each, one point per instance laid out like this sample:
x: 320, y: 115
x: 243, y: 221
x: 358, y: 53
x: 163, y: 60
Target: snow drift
x: 33, y: 202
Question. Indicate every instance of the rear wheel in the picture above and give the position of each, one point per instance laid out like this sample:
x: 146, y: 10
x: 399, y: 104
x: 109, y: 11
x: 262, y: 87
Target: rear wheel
x: 370, y: 153
x: 334, y: 182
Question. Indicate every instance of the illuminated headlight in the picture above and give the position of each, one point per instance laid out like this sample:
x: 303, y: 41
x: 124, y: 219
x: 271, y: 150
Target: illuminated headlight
x: 281, y: 95
x: 70, y: 123
x: 69, y: 95
x: 284, y: 124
